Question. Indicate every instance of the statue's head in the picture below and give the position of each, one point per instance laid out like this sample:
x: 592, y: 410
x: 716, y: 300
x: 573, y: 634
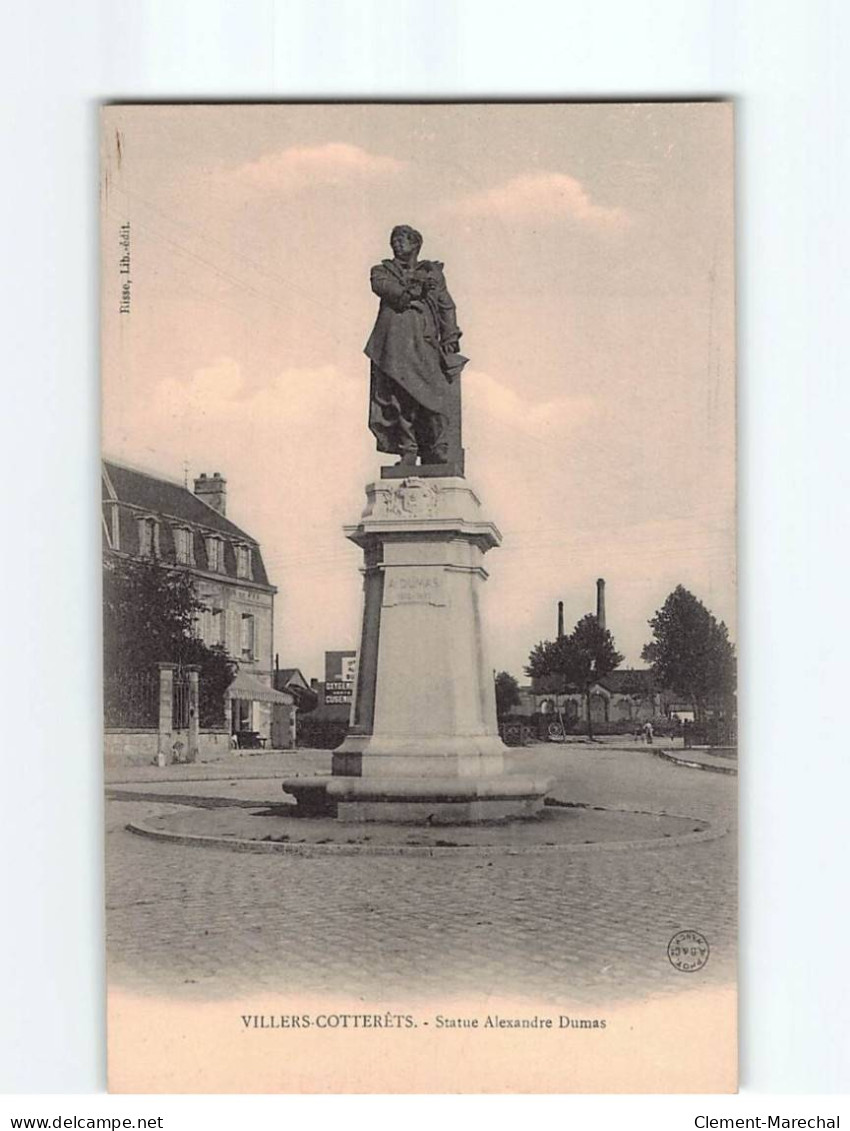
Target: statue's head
x: 403, y: 238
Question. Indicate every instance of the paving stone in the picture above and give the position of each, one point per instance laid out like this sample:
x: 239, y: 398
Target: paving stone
x: 208, y: 922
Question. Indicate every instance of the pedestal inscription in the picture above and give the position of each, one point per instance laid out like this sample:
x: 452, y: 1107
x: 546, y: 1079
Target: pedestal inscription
x: 414, y: 587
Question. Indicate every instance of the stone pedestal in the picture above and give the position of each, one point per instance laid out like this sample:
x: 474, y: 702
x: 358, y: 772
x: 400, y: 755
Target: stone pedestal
x: 423, y: 744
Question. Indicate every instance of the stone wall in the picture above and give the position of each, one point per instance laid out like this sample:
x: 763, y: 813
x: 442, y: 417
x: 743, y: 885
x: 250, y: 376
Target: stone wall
x: 213, y: 744
x: 126, y: 747
x: 129, y: 746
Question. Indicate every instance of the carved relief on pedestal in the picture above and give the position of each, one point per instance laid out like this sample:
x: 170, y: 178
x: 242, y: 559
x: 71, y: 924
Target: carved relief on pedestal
x: 408, y: 498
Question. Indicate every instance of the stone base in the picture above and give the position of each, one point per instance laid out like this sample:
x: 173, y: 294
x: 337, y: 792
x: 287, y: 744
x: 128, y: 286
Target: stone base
x: 435, y: 801
x: 454, y: 468
x: 432, y: 756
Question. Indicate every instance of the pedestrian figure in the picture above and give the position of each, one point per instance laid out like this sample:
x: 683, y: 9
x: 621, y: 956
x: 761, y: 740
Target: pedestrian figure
x: 647, y: 733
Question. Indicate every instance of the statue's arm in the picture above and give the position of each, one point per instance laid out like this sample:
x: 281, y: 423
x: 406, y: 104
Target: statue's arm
x: 389, y: 289
x: 450, y: 332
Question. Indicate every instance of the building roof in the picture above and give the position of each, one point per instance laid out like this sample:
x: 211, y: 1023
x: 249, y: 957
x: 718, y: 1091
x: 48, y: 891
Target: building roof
x: 164, y: 497
x: 291, y: 680
x: 286, y: 677
x: 622, y: 681
x: 629, y: 681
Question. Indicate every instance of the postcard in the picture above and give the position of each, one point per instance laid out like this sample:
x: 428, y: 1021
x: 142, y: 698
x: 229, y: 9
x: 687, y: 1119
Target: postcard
x: 419, y: 560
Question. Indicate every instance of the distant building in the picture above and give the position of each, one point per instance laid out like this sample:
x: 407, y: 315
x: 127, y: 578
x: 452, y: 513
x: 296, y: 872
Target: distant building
x: 625, y: 695
x: 335, y: 692
x: 292, y: 682
x: 147, y: 516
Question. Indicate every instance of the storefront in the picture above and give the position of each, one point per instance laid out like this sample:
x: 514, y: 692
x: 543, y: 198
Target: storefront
x: 259, y: 714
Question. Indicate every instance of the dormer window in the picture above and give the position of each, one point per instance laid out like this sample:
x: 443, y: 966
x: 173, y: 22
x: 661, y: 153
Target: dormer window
x: 243, y: 562
x: 215, y: 554
x: 148, y: 538
x: 183, y: 546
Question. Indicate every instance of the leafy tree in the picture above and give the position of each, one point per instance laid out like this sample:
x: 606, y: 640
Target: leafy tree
x: 546, y: 659
x: 149, y: 614
x: 149, y: 617
x: 581, y: 659
x: 594, y: 655
x: 691, y: 652
x: 507, y: 693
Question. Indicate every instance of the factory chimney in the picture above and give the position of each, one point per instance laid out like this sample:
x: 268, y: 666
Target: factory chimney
x: 600, y: 602
x: 560, y: 619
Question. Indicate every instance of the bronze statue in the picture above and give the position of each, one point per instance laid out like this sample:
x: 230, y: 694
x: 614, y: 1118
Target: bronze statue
x: 414, y: 406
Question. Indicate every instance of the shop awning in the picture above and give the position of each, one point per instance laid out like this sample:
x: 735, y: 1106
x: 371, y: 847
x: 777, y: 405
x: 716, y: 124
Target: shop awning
x: 247, y: 686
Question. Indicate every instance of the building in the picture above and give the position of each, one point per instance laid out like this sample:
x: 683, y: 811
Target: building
x: 291, y: 682
x: 624, y: 696
x: 323, y: 721
x: 627, y: 695
x: 148, y: 516
x: 333, y: 695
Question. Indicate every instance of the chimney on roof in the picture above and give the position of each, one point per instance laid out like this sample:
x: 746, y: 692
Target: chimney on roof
x: 600, y: 602
x: 560, y: 619
x: 212, y: 490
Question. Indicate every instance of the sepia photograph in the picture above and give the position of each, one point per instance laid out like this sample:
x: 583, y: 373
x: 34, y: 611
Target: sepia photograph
x: 419, y: 596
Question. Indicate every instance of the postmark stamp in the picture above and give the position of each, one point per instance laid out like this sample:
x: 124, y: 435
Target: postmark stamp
x: 688, y: 951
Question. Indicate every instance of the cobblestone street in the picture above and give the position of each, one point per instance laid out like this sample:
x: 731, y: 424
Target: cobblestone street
x: 208, y: 922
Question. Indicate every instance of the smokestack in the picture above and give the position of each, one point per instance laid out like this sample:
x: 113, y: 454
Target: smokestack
x: 560, y: 619
x: 212, y: 491
x: 600, y: 602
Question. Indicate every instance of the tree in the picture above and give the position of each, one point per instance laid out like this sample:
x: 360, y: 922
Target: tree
x: 149, y: 614
x: 507, y: 693
x: 594, y: 656
x: 581, y: 659
x: 691, y: 652
x: 149, y: 617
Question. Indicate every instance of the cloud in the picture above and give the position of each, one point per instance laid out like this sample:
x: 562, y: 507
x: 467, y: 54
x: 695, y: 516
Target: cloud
x: 335, y: 163
x: 536, y: 196
x: 488, y: 402
x: 293, y: 446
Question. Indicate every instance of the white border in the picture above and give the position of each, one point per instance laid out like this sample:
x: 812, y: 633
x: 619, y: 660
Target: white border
x: 783, y: 63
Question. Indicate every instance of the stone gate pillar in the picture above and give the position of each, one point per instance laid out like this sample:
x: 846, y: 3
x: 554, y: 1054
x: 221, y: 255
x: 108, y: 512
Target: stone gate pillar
x: 193, y: 742
x: 165, y: 738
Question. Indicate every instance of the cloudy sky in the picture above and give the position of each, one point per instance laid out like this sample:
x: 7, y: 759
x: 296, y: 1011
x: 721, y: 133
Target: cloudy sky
x: 589, y: 251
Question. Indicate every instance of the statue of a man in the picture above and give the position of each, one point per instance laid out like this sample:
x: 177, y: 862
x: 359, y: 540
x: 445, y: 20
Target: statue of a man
x: 414, y: 354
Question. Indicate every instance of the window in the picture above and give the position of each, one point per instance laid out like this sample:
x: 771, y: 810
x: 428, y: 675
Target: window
x: 216, y: 626
x: 183, y: 547
x: 243, y: 561
x: 247, y: 637
x: 215, y: 554
x: 148, y: 538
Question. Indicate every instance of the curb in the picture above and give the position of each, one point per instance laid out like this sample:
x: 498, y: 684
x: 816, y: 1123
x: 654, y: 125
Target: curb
x: 193, y: 800
x: 286, y: 848
x: 668, y: 756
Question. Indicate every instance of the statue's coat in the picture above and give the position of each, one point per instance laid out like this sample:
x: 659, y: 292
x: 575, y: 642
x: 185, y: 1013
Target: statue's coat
x: 410, y: 335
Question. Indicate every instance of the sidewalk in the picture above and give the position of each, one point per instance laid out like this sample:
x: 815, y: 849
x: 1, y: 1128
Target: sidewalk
x: 266, y: 764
